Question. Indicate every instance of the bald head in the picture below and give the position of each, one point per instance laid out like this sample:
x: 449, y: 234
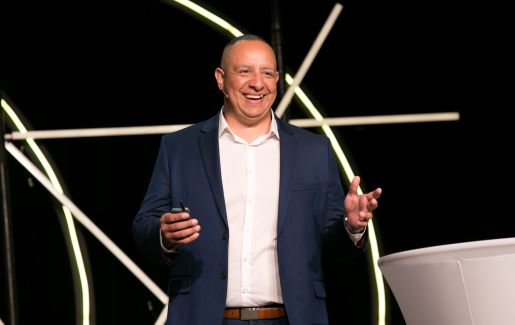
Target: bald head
x: 245, y: 37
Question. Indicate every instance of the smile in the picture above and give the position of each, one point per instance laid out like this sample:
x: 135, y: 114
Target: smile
x: 254, y: 96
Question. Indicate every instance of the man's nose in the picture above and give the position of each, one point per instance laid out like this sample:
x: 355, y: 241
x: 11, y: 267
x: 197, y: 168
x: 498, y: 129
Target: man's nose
x: 256, y: 80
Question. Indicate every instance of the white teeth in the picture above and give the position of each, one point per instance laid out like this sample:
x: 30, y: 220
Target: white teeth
x: 255, y: 97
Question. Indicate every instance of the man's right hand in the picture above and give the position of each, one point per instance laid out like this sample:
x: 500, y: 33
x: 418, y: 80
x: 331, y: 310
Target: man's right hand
x: 178, y: 229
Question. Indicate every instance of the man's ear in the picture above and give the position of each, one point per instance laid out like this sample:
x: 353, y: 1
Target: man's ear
x: 219, y: 76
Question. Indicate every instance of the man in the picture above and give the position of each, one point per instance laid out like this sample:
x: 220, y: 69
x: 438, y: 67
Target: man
x: 268, y: 198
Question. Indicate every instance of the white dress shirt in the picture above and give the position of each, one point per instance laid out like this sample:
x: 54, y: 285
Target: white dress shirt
x: 250, y: 177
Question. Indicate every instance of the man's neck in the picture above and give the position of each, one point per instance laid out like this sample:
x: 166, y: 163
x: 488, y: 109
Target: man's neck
x: 249, y: 131
x: 250, y: 134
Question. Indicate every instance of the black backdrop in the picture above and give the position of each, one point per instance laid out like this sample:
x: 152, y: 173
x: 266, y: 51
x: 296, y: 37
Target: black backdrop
x: 134, y: 63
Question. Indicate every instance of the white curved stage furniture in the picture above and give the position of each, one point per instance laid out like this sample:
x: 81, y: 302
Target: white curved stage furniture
x: 470, y: 283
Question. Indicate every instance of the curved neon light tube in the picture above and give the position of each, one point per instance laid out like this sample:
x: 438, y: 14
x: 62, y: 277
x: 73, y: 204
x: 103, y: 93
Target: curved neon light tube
x: 68, y: 216
x: 374, y: 248
x: 209, y: 16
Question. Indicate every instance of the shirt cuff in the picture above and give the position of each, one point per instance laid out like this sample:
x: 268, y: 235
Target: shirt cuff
x: 354, y: 237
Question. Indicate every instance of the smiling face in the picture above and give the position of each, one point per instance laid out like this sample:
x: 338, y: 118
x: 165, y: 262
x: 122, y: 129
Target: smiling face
x: 248, y: 78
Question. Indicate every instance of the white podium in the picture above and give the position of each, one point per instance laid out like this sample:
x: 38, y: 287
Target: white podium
x: 470, y: 283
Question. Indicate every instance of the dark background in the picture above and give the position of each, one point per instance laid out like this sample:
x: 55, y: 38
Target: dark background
x: 136, y: 63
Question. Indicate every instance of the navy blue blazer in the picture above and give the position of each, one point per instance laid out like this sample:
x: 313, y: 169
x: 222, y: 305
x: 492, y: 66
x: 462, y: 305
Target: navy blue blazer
x: 310, y: 222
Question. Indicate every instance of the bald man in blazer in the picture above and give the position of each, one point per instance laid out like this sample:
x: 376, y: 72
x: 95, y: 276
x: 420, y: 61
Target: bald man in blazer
x: 262, y: 202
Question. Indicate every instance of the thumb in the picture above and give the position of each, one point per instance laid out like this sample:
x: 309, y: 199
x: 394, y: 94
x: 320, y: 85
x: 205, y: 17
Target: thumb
x: 353, y: 188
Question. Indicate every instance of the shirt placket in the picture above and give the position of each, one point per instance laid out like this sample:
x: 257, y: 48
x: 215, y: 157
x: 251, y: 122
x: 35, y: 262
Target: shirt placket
x: 247, y: 224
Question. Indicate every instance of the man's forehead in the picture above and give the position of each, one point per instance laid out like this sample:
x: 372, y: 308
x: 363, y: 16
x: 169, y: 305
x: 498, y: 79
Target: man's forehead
x: 248, y: 48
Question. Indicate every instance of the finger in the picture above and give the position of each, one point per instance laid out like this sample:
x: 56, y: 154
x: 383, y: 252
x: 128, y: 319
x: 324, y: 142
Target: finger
x: 188, y: 239
x: 177, y: 236
x: 363, y: 203
x: 178, y: 226
x: 361, y: 221
x: 353, y: 188
x: 372, y: 205
x: 365, y: 216
x: 175, y: 217
x: 376, y: 193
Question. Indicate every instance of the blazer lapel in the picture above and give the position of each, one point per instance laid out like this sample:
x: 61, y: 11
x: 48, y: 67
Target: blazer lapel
x: 208, y: 142
x: 288, y: 148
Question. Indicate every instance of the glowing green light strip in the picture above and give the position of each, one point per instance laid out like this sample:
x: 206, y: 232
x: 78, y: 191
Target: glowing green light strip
x: 68, y: 216
x: 339, y: 152
x: 209, y: 16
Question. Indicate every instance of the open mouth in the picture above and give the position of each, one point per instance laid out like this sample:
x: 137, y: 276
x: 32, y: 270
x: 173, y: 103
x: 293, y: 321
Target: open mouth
x: 254, y: 97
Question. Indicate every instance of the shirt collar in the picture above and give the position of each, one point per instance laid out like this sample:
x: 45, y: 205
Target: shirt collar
x: 224, y: 127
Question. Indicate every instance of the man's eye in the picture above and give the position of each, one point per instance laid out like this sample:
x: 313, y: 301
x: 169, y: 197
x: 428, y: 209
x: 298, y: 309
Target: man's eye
x: 269, y: 74
x: 244, y: 72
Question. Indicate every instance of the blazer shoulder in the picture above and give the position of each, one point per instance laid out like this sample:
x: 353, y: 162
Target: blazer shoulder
x: 303, y: 134
x: 192, y: 131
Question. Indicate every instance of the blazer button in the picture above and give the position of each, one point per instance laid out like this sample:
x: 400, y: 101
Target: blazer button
x: 223, y: 275
x: 225, y: 235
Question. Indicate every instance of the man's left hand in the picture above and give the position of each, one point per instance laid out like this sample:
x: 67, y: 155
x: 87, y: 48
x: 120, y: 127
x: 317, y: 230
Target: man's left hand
x: 358, y: 208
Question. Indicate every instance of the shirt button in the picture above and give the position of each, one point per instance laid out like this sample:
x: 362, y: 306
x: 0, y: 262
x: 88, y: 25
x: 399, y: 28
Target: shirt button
x: 223, y: 275
x: 225, y: 235
x: 245, y: 290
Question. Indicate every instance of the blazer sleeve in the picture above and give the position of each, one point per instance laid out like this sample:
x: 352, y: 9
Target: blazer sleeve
x: 337, y: 243
x: 146, y: 227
